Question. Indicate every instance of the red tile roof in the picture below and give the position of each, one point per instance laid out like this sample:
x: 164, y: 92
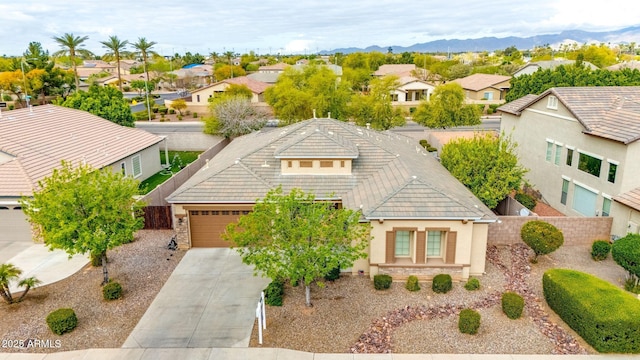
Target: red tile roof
x: 32, y: 144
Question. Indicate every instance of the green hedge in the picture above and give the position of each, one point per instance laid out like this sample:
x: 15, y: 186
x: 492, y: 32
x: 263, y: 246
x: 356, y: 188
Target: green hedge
x: 382, y: 281
x: 512, y: 305
x: 112, y: 291
x: 62, y: 321
x: 605, y: 316
x: 600, y: 250
x: 412, y: 283
x: 442, y: 283
x: 274, y: 293
x: 469, y: 321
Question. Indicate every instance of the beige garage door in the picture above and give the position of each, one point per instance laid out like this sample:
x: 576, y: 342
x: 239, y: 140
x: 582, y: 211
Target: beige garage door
x: 207, y: 226
x: 13, y: 224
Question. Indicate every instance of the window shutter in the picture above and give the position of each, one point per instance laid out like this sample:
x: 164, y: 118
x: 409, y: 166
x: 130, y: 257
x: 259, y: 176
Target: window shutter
x: 421, y: 243
x: 451, y: 247
x: 390, y: 251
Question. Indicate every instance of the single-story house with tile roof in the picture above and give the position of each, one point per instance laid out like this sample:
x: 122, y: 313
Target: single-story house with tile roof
x: 424, y: 222
x: 485, y: 86
x: 581, y: 146
x: 202, y: 95
x: 34, y: 141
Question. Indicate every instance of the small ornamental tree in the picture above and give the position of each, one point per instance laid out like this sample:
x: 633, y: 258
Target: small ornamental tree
x: 542, y: 237
x: 179, y: 105
x: 9, y: 273
x: 626, y: 253
x: 82, y: 210
x: 292, y: 236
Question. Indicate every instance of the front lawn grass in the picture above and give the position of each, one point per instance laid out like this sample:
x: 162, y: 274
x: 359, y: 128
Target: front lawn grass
x: 177, y: 159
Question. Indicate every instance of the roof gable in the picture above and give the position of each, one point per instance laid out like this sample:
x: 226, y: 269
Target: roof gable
x: 318, y: 144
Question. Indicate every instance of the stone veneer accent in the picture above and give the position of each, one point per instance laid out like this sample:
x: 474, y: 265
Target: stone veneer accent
x: 182, y: 233
x: 423, y: 273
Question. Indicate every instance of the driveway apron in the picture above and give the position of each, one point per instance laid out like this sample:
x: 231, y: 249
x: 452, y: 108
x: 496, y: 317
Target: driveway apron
x: 209, y: 300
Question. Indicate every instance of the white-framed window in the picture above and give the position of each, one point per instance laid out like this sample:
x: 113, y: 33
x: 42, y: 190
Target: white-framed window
x: 613, y: 169
x: 435, y: 240
x: 565, y: 191
x: 136, y: 165
x: 552, y: 102
x: 488, y: 95
x: 558, y: 153
x: 606, y: 205
x: 589, y: 163
x: 403, y: 243
x: 549, y: 154
x: 584, y: 200
x: 569, y: 161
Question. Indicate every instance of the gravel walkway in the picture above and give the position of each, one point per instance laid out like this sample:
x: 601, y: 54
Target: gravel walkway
x: 142, y: 267
x: 349, y: 315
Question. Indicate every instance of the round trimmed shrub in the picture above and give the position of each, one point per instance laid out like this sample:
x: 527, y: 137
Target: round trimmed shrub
x: 62, y: 321
x: 600, y: 250
x: 112, y: 291
x: 512, y: 305
x: 542, y: 237
x: 442, y: 283
x: 412, y: 283
x: 469, y: 321
x: 382, y: 281
x: 472, y: 284
x: 626, y: 253
x: 274, y: 293
x: 333, y: 274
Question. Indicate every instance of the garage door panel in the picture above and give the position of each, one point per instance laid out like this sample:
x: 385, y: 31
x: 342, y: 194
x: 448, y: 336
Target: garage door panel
x: 207, y: 226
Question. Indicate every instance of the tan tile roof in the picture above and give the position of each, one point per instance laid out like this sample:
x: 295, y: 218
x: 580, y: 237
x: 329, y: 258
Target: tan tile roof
x: 516, y: 106
x: 630, y: 198
x: 477, y: 82
x: 611, y: 112
x: 392, y: 176
x: 38, y: 140
x: 395, y: 69
x: 255, y: 86
x: 274, y: 67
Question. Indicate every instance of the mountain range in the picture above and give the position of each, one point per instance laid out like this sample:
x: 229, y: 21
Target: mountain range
x: 626, y: 35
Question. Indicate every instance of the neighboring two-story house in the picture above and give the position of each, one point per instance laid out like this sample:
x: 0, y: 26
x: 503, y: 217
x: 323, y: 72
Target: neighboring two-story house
x: 423, y: 221
x: 485, y: 87
x: 581, y: 147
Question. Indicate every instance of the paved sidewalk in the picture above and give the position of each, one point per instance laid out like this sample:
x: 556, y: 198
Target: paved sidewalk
x: 48, y: 266
x: 208, y: 301
x: 279, y: 354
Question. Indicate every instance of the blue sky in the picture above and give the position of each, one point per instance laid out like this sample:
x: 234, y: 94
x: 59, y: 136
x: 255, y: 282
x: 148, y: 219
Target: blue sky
x: 302, y: 26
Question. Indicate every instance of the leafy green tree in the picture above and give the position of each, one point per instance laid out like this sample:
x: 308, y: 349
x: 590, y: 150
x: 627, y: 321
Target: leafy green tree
x: 72, y: 45
x: 298, y: 92
x: 35, y: 57
x: 228, y: 71
x: 486, y: 164
x: 447, y: 108
x: 232, y: 116
x: 143, y: 48
x: 139, y: 86
x: 104, y: 101
x: 83, y: 210
x: 117, y: 49
x: 375, y: 108
x: 9, y: 273
x: 292, y: 236
x: 542, y: 237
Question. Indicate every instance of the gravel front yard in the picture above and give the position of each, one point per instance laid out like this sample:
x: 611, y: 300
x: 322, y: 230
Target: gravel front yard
x: 142, y: 267
x: 349, y: 315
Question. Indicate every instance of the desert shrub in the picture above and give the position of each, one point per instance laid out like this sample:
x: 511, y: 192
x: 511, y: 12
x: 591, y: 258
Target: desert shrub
x: 195, y: 115
x: 274, y: 293
x: 163, y: 110
x: 425, y: 144
x: 188, y: 112
x: 382, y: 281
x: 180, y: 117
x: 412, y: 283
x: 333, y: 274
x: 602, y: 314
x: 472, y: 284
x: 126, y: 88
x: 172, y: 111
x: 469, y: 321
x: 525, y: 199
x: 11, y: 107
x: 600, y: 250
x: 154, y: 109
x: 542, y: 237
x: 112, y: 291
x: 442, y: 283
x: 626, y: 253
x: 62, y: 321
x: 512, y: 305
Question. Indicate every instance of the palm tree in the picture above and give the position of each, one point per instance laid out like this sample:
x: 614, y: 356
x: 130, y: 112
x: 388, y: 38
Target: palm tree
x: 144, y: 49
x: 9, y: 273
x: 117, y: 48
x: 72, y: 45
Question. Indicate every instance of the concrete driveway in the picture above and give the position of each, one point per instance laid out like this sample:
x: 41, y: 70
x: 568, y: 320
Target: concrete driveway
x: 208, y: 301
